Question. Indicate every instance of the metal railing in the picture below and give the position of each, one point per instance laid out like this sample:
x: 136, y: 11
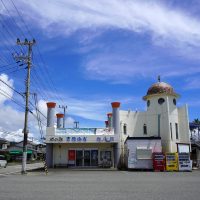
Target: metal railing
x: 84, y: 131
x: 195, y: 139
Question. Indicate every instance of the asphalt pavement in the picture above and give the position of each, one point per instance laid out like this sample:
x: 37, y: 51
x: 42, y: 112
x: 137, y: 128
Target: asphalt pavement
x: 66, y: 184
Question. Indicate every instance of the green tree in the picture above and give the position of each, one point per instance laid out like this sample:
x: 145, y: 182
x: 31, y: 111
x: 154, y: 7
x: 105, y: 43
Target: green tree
x: 196, y: 121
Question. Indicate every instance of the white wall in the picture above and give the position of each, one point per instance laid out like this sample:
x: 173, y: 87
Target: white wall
x: 184, y: 124
x: 60, y: 151
x: 169, y: 113
x: 50, y: 131
x: 132, y: 145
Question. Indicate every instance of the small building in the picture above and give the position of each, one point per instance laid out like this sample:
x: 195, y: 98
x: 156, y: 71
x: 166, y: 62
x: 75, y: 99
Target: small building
x: 78, y: 147
x: 3, y: 144
x: 195, y: 143
x: 139, y: 150
x: 15, y: 149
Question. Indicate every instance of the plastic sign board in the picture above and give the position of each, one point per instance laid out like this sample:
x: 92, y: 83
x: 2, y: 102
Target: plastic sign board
x: 171, y: 161
x: 71, y: 157
x: 185, y: 163
x: 158, y: 161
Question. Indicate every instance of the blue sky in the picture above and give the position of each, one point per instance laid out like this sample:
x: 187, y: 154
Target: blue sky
x: 97, y: 52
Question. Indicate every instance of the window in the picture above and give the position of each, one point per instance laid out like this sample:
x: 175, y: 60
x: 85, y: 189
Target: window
x: 145, y: 129
x: 148, y: 103
x: 176, y: 126
x: 171, y: 131
x: 161, y: 101
x: 125, y: 129
x: 144, y: 153
x: 174, y: 101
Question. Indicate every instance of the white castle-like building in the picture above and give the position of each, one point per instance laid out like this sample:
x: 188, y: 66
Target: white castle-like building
x: 161, y: 119
x: 86, y: 147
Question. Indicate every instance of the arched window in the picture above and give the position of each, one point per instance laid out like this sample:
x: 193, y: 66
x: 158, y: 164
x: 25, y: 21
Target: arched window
x: 125, y: 129
x: 174, y: 101
x: 145, y: 129
x: 148, y: 103
x: 176, y: 127
x: 161, y: 101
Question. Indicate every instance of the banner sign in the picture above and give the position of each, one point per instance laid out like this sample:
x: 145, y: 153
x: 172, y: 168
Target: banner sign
x: 82, y: 139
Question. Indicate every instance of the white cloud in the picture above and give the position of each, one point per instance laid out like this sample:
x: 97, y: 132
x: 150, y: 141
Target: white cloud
x: 192, y: 83
x: 65, y: 16
x: 125, y: 67
x: 16, y: 136
x: 5, y: 89
x: 11, y: 119
x: 70, y: 122
x: 168, y: 27
x: 93, y: 107
x: 97, y: 107
x: 89, y: 109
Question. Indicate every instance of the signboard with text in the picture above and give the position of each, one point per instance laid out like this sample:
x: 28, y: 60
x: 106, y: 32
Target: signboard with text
x: 82, y: 139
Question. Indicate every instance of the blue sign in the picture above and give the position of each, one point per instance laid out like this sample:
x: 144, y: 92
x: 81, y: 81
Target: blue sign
x: 105, y: 139
x: 76, y: 139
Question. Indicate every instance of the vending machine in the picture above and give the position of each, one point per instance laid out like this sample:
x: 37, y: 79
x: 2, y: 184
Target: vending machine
x: 171, y: 161
x: 158, y: 161
x: 185, y: 164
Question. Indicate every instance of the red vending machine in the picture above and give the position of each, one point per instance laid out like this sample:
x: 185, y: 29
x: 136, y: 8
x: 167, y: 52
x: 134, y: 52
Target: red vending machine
x: 158, y: 161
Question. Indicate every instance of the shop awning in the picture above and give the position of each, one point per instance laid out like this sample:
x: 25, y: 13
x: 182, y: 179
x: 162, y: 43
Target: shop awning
x: 16, y: 152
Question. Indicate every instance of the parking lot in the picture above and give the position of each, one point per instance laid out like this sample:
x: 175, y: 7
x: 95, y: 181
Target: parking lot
x: 101, y: 185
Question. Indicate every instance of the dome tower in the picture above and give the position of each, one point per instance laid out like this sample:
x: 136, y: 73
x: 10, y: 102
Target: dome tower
x: 162, y: 113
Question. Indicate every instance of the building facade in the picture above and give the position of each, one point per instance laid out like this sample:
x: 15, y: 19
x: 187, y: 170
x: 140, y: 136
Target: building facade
x: 79, y: 147
x: 105, y: 147
x: 161, y: 119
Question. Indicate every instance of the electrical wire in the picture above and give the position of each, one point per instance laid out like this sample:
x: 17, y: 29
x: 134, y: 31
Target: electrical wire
x: 38, y: 116
x: 13, y: 18
x: 46, y: 71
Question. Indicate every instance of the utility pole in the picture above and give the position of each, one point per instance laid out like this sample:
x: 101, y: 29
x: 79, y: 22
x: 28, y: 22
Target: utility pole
x: 27, y: 59
x: 64, y: 108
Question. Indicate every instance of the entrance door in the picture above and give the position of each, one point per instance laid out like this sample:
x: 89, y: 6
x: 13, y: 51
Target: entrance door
x: 86, y: 157
x: 105, y: 158
x: 94, y: 157
x: 79, y: 158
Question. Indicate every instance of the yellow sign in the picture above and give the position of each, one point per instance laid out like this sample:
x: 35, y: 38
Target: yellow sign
x: 171, y: 161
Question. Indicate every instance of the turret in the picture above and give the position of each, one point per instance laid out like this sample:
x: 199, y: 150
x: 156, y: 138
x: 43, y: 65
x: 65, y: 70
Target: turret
x: 115, y: 117
x: 116, y: 126
x: 60, y: 118
x: 50, y: 113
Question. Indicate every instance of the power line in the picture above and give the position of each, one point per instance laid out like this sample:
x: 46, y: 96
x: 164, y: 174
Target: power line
x: 46, y: 72
x: 11, y: 88
x: 38, y: 116
x: 22, y: 19
x: 12, y: 18
x: 14, y: 71
x: 42, y: 83
x: 7, y: 69
x: 22, y: 96
x: 4, y: 93
x: 36, y: 85
x: 14, y: 63
x: 50, y: 81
